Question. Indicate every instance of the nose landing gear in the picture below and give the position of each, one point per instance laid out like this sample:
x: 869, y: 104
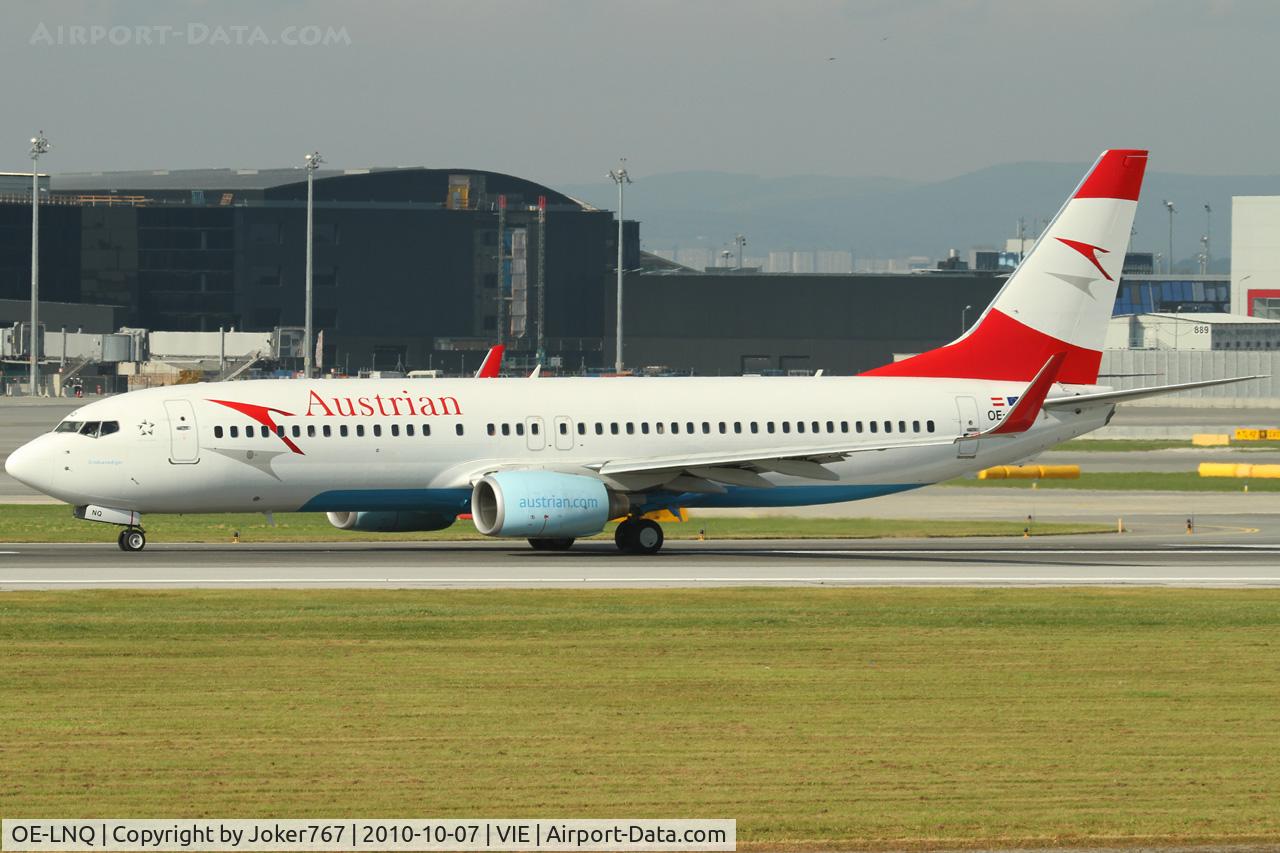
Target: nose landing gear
x: 132, y: 539
x: 639, y: 536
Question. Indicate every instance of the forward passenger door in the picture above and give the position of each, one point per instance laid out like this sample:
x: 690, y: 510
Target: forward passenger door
x: 184, y: 441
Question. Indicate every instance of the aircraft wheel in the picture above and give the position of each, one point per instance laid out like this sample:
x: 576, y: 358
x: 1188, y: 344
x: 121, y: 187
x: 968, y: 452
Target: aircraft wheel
x: 647, y: 537
x: 132, y: 540
x: 622, y: 535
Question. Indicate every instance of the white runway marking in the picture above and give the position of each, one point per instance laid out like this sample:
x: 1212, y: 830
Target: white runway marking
x: 1198, y: 550
x: 970, y: 580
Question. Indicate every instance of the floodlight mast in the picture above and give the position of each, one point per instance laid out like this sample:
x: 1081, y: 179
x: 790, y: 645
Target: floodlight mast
x: 39, y: 145
x: 1172, y: 211
x: 313, y: 161
x: 621, y: 178
x: 1208, y: 234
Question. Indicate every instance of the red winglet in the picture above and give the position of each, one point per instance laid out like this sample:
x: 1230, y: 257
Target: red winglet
x: 492, y: 363
x: 1027, y: 409
x: 1117, y: 174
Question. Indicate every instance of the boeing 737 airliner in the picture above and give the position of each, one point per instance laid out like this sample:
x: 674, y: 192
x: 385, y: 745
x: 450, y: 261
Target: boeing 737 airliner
x: 550, y: 460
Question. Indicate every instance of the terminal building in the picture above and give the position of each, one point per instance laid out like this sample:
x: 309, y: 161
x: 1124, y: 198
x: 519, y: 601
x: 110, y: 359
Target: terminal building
x: 411, y: 266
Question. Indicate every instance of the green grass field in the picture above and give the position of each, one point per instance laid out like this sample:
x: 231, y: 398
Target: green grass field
x: 837, y: 718
x: 1133, y: 481
x: 46, y: 523
x: 1119, y: 445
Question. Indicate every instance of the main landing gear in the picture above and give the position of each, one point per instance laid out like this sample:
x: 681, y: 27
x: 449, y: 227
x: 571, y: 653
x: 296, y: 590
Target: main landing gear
x: 132, y: 539
x: 639, y: 536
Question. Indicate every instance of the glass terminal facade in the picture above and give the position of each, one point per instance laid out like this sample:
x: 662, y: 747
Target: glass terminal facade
x: 1185, y: 294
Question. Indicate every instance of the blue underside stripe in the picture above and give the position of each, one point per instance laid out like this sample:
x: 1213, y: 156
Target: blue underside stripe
x: 359, y: 500
x: 459, y: 500
x: 739, y: 496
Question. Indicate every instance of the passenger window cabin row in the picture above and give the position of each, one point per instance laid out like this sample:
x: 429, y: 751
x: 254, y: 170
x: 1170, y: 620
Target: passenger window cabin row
x: 598, y: 428
x: 754, y: 427
x: 326, y: 431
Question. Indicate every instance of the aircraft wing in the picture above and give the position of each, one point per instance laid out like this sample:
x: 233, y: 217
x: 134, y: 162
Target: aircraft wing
x: 710, y: 472
x: 1107, y: 398
x: 704, y: 472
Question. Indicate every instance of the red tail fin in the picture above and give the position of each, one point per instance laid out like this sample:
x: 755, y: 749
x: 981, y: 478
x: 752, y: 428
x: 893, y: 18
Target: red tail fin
x: 1060, y: 298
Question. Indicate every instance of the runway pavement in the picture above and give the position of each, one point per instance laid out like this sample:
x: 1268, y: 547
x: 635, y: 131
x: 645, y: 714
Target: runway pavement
x: 1226, y: 558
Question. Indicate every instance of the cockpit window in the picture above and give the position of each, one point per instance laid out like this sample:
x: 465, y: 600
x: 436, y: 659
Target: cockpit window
x: 93, y: 429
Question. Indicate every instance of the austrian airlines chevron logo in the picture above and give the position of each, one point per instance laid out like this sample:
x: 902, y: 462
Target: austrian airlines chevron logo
x: 262, y: 414
x: 1089, y: 251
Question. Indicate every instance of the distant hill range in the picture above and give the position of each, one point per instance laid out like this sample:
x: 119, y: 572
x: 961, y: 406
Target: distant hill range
x: 887, y: 217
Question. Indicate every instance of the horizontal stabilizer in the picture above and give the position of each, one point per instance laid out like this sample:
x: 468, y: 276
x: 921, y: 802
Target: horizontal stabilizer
x: 1109, y: 397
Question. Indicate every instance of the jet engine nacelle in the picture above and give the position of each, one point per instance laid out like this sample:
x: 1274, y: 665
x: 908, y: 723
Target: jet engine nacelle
x: 543, y: 504
x: 390, y: 522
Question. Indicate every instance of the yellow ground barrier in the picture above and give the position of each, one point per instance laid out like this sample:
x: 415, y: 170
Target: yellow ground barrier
x: 1209, y: 439
x: 1030, y: 472
x: 1232, y: 469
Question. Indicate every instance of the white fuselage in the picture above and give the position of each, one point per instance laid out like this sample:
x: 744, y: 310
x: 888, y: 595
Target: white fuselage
x: 401, y: 444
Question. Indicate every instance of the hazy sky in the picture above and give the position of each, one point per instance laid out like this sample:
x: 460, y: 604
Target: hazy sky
x: 556, y: 91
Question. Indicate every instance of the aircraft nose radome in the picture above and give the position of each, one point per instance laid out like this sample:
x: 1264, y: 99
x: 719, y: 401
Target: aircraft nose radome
x: 27, y: 466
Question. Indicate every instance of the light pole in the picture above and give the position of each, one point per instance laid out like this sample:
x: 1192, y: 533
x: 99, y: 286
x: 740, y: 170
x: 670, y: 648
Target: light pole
x: 313, y: 161
x: 1172, y: 211
x: 621, y: 178
x: 39, y: 145
x: 964, y: 318
x: 1208, y: 233
x: 740, y: 241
